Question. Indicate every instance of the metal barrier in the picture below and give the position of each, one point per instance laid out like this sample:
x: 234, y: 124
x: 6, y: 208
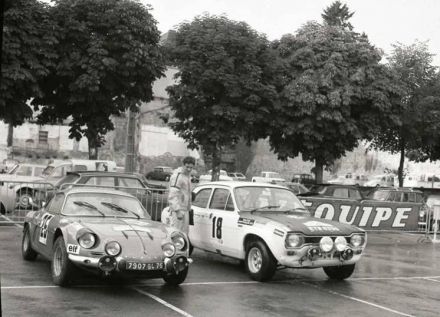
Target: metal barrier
x: 18, y: 198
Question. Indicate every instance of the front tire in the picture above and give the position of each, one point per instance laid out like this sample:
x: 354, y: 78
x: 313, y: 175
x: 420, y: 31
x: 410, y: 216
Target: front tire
x: 27, y: 251
x: 61, y: 267
x: 339, y: 272
x: 259, y: 262
x: 176, y: 279
x: 23, y: 198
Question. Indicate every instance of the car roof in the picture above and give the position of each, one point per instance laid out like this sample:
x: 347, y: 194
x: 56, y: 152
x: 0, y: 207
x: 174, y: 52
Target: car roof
x: 86, y: 189
x: 235, y: 184
x: 400, y: 189
x: 104, y: 173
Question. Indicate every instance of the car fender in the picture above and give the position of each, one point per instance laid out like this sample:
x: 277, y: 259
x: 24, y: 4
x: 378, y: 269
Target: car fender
x: 271, y: 233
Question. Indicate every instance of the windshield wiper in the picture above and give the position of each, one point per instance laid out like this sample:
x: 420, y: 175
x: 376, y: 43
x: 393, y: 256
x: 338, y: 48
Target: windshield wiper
x: 88, y: 205
x: 295, y: 209
x: 264, y: 207
x: 119, y: 208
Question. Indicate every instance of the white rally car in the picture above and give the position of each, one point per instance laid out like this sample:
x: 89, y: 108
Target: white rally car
x: 268, y: 227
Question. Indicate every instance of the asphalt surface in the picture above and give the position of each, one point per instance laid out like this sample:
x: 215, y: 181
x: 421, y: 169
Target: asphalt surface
x: 399, y: 275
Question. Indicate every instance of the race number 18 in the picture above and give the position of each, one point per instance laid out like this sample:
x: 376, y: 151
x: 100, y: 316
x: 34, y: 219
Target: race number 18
x: 217, y: 227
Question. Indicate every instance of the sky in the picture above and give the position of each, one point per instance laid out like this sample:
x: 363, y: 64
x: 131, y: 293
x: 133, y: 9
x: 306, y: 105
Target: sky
x: 386, y: 22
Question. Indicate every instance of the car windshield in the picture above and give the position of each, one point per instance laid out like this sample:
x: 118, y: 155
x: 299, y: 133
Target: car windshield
x: 273, y: 175
x: 14, y: 169
x: 267, y: 199
x: 380, y: 195
x: 102, y: 205
x: 68, y: 179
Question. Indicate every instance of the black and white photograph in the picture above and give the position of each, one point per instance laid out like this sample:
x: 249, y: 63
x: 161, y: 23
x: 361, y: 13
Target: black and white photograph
x: 220, y: 158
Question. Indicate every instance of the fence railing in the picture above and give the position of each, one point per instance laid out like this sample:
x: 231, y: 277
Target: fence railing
x: 18, y: 198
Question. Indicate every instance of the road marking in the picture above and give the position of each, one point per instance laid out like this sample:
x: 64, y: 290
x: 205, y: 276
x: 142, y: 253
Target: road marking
x: 217, y: 283
x: 431, y: 279
x: 177, y: 310
x: 11, y: 221
x: 28, y: 287
x: 359, y: 300
x: 393, y: 278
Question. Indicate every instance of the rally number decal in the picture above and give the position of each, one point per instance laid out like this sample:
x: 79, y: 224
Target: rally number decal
x: 44, y: 225
x: 217, y: 227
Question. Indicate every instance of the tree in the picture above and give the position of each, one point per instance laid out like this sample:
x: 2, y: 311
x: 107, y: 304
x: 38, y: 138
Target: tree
x: 27, y: 55
x: 412, y: 65
x: 227, y: 83
x: 108, y: 58
x: 336, y: 93
x: 338, y: 14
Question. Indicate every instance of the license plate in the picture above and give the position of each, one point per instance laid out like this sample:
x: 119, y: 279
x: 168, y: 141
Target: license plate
x: 136, y: 266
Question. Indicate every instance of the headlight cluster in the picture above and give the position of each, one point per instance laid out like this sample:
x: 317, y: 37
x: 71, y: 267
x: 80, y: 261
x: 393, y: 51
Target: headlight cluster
x: 179, y: 241
x: 326, y: 244
x: 357, y: 240
x: 113, y: 248
x: 168, y: 249
x: 87, y: 240
x: 294, y: 240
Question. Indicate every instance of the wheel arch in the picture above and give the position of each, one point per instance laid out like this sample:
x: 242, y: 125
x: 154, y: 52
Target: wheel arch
x: 58, y: 232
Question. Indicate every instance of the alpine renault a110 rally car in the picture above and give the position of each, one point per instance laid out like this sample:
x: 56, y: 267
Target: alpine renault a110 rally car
x: 104, y: 231
x: 268, y: 227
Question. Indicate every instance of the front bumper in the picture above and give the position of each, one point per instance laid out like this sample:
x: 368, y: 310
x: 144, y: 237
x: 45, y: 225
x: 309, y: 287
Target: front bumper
x: 113, y: 265
x: 313, y: 257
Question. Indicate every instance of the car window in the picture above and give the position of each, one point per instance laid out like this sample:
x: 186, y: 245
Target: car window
x: 130, y: 182
x: 79, y: 168
x: 202, y: 197
x: 340, y: 193
x: 398, y: 196
x: 101, y: 181
x: 68, y: 179
x: 220, y: 199
x: 56, y: 204
x: 354, y: 194
x: 393, y: 196
x: 57, y: 172
x: 24, y: 171
x: 38, y: 171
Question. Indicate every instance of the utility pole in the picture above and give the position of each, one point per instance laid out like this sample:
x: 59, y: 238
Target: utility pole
x: 130, y: 156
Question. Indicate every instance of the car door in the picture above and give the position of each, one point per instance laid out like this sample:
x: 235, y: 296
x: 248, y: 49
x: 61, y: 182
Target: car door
x: 47, y: 225
x: 224, y: 219
x: 200, y: 231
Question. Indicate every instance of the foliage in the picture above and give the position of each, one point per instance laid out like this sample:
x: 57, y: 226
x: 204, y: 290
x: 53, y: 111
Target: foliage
x: 27, y: 55
x: 338, y: 14
x: 227, y: 83
x: 336, y: 94
x: 108, y: 58
x: 412, y: 65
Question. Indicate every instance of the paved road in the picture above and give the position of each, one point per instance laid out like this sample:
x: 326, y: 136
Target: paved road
x: 398, y: 276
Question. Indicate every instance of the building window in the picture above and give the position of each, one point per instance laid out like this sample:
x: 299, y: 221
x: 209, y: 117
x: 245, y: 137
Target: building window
x: 42, y: 137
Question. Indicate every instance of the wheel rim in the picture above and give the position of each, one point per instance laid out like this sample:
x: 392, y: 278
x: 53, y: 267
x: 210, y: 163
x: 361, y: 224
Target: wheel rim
x: 255, y: 260
x: 23, y: 200
x: 57, y: 261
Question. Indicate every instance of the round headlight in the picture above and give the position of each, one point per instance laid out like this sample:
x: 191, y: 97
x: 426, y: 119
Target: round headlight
x: 113, y: 248
x: 340, y: 244
x: 357, y: 240
x: 168, y: 249
x: 87, y: 240
x: 326, y: 244
x: 179, y: 242
x: 294, y: 240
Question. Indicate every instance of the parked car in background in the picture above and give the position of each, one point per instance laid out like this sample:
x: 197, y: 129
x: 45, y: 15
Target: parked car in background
x: 397, y: 195
x: 223, y: 176
x: 305, y: 179
x: 268, y: 228
x: 7, y: 164
x: 296, y: 188
x: 160, y: 173
x: 26, y: 169
x: 383, y: 180
x: 104, y: 231
x: 269, y: 177
x: 337, y: 191
x: 349, y: 179
x: 236, y: 176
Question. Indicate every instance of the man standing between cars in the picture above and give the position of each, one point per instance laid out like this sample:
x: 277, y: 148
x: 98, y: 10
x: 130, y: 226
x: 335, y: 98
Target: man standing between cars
x: 181, y: 180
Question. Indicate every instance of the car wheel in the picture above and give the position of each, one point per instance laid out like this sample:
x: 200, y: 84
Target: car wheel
x: 27, y: 251
x: 339, y: 272
x: 24, y: 197
x: 62, y: 269
x: 260, y: 263
x: 176, y: 279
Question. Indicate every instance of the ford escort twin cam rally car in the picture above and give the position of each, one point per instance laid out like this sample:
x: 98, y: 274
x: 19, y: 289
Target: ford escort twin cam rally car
x: 103, y: 231
x: 268, y: 227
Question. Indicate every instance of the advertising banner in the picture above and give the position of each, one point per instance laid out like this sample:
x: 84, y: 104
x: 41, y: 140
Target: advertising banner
x: 366, y: 214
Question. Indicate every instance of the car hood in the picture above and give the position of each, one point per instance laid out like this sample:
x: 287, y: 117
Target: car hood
x: 136, y: 237
x: 305, y: 224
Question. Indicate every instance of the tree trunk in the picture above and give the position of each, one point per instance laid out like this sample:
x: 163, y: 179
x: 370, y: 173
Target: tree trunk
x: 319, y: 170
x: 402, y: 161
x: 93, y: 148
x: 216, y: 155
x: 10, y: 137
